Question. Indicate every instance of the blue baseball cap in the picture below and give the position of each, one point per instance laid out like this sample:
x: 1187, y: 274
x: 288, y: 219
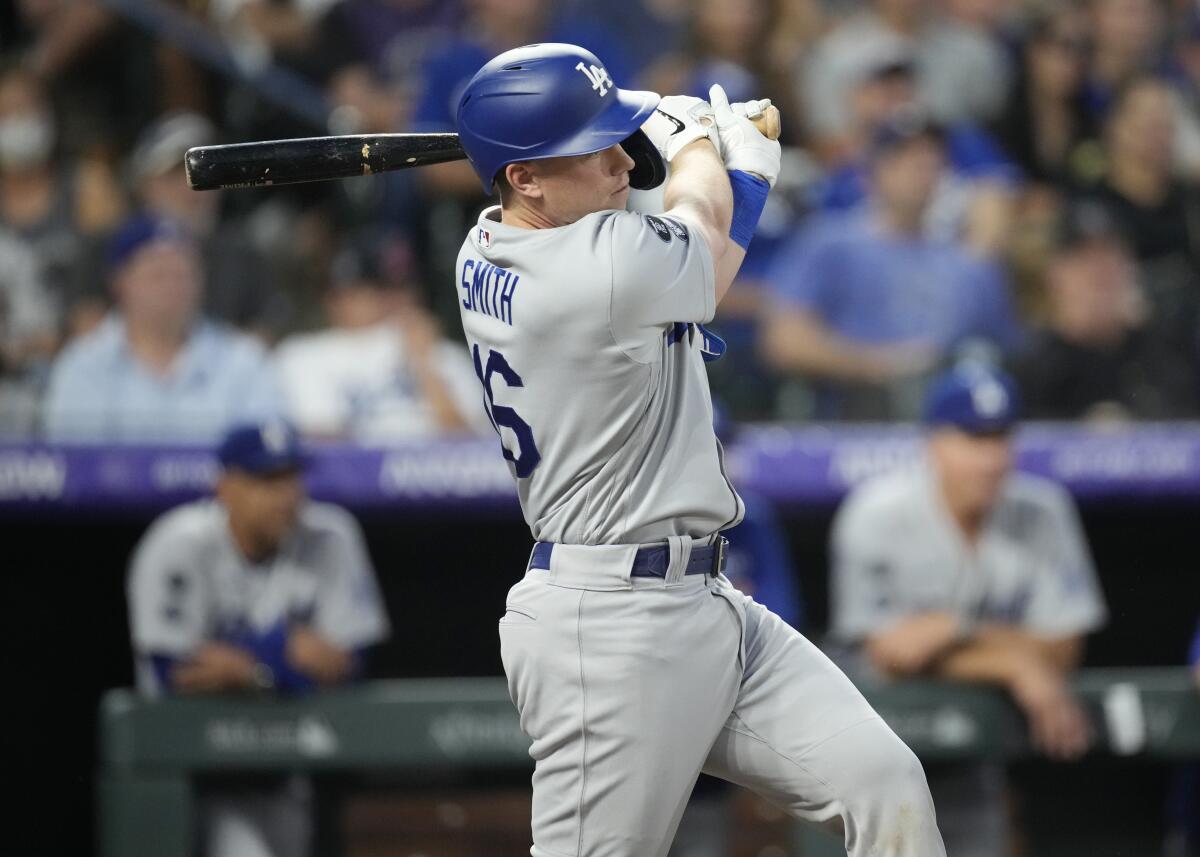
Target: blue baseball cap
x: 973, y: 399
x: 140, y: 230
x: 262, y: 448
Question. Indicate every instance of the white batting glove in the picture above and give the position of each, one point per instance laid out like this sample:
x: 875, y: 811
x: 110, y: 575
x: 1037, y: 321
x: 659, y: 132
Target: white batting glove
x: 750, y: 109
x: 743, y: 147
x: 677, y: 121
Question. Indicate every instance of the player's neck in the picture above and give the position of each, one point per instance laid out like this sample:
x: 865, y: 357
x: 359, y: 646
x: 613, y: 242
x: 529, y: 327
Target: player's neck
x: 525, y: 217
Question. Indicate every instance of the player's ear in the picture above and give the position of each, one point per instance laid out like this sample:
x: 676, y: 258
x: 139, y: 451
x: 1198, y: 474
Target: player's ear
x: 523, y: 179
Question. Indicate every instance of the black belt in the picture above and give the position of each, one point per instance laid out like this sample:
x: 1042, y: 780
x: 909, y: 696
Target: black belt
x: 653, y: 561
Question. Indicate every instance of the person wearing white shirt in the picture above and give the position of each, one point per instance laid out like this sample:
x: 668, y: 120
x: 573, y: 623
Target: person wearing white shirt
x: 382, y: 371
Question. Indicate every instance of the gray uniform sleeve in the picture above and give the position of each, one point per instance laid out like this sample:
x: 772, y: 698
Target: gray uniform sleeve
x: 865, y: 595
x: 169, y: 601
x: 349, y: 610
x: 1066, y: 598
x: 662, y: 273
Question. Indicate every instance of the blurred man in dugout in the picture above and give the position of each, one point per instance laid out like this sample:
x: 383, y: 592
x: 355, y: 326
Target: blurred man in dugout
x: 962, y: 569
x: 254, y: 591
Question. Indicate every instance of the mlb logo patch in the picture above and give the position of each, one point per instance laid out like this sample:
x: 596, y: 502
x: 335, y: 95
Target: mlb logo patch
x: 485, y: 238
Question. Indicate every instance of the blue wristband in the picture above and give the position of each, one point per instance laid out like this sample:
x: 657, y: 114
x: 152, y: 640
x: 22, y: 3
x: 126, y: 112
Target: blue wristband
x: 749, y: 197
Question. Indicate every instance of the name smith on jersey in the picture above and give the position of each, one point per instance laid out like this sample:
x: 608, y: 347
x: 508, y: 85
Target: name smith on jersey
x: 489, y: 289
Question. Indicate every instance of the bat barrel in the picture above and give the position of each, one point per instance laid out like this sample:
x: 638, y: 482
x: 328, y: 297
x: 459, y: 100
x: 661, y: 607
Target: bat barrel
x: 308, y: 159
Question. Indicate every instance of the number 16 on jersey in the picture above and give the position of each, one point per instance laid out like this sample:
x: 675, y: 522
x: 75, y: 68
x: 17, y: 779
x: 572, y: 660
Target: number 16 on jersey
x: 526, y: 456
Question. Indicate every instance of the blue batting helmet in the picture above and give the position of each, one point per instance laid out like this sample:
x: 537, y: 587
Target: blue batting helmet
x: 548, y: 101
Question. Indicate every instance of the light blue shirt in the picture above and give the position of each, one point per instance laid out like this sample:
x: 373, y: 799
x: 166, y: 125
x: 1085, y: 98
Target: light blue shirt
x: 100, y: 392
x: 873, y: 287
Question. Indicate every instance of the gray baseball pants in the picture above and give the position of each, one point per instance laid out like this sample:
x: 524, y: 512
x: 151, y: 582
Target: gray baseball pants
x: 629, y: 687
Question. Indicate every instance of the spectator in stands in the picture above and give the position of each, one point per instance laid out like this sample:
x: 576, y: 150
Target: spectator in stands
x: 865, y: 303
x: 28, y: 336
x: 1125, y: 39
x: 62, y: 209
x: 962, y: 68
x: 104, y: 74
x: 383, y: 371
x: 240, y: 285
x: 728, y: 42
x: 1045, y: 125
x: 1096, y: 357
x: 156, y: 369
x: 494, y: 26
x: 255, y: 591
x: 1156, y: 212
x: 370, y: 51
x: 962, y: 569
x: 973, y: 197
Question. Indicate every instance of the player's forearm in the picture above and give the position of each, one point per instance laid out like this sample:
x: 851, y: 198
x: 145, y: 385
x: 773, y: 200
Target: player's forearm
x: 1062, y: 653
x: 699, y: 191
x: 318, y: 659
x: 989, y: 661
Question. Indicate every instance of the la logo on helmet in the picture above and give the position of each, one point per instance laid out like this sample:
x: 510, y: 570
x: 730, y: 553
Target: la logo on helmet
x: 598, y: 75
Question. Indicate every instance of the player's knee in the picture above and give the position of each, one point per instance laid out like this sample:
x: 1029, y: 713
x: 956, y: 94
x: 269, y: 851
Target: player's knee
x: 891, y: 776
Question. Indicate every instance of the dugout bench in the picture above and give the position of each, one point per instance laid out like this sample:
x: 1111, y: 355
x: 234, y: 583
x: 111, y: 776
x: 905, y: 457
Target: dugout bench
x: 151, y: 750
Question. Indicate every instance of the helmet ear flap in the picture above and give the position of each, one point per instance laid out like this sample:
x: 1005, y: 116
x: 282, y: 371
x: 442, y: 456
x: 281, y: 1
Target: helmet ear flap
x: 648, y: 171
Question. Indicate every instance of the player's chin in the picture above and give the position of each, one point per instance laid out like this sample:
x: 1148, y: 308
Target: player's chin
x: 621, y: 196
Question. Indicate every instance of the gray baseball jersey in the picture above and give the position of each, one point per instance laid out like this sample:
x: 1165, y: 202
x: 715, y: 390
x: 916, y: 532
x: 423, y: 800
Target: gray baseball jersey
x: 188, y: 583
x: 896, y: 552
x: 586, y: 340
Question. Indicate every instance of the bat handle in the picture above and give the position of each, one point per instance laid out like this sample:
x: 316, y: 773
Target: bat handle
x: 768, y: 123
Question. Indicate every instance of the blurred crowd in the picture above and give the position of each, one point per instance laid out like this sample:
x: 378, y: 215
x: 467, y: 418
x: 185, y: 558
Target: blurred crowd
x: 1004, y: 181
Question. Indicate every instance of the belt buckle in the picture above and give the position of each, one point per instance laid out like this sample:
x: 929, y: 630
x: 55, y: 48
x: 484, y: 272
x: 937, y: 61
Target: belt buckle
x: 720, y: 547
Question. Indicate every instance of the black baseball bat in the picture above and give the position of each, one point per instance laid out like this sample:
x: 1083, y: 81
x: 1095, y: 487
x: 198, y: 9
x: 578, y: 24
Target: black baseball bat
x: 314, y: 159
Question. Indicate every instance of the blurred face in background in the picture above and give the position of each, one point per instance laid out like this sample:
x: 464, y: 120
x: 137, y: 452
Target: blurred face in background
x: 732, y: 29
x: 901, y: 10
x: 262, y: 509
x: 971, y: 469
x: 168, y: 194
x: 159, y: 287
x: 1093, y: 293
x: 364, y: 303
x: 1056, y: 54
x: 881, y: 96
x: 509, y: 18
x: 26, y: 124
x: 977, y: 13
x: 1126, y: 28
x: 1142, y: 127
x: 905, y: 177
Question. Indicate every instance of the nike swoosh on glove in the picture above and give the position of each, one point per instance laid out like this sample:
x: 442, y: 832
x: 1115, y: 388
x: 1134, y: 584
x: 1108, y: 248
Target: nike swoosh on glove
x: 678, y: 121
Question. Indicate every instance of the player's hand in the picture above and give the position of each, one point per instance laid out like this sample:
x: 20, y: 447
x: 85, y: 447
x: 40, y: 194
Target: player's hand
x: 743, y: 147
x: 316, y: 657
x: 213, y: 668
x: 1058, y: 725
x: 750, y: 109
x: 678, y: 121
x: 909, y: 646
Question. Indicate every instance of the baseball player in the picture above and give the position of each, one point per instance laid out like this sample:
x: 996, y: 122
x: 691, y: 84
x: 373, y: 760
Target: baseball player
x: 633, y: 662
x: 255, y: 590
